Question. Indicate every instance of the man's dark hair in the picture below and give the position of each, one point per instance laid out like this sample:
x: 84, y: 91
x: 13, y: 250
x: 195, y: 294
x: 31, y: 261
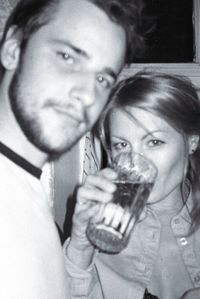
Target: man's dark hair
x: 29, y: 15
x: 127, y: 14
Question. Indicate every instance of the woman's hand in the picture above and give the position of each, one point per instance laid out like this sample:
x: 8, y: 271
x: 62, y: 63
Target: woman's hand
x: 192, y: 294
x: 97, y: 189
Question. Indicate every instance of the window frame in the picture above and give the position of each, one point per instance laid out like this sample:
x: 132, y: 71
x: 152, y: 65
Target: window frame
x: 192, y: 70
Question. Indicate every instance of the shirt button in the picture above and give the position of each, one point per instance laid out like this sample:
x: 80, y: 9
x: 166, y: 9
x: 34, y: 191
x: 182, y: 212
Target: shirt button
x: 197, y: 278
x: 183, y: 241
x: 177, y: 221
x: 147, y: 270
x: 154, y: 236
x: 141, y: 266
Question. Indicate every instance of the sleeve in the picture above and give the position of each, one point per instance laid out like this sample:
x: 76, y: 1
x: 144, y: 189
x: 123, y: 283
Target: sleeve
x: 83, y: 284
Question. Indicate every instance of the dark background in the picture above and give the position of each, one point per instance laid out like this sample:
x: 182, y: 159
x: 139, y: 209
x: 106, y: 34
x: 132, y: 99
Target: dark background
x: 171, y: 38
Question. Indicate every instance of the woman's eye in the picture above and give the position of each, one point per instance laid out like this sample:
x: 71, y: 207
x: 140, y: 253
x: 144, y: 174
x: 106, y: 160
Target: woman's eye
x: 104, y: 82
x: 119, y: 145
x: 155, y: 142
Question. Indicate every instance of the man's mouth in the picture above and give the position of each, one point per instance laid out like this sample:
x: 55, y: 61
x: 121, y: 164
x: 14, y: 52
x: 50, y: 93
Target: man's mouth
x: 76, y: 116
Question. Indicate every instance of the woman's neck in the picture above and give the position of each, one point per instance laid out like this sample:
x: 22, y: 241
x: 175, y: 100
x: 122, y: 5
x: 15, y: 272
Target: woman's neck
x: 171, y: 204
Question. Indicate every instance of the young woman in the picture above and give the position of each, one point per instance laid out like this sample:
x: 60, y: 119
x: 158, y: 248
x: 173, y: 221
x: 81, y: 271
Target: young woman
x: 158, y: 116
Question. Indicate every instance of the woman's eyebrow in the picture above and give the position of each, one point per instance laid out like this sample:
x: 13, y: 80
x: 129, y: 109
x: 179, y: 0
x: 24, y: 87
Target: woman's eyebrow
x: 151, y: 133
x: 117, y: 137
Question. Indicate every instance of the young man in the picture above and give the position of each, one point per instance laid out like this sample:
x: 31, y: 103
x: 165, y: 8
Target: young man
x: 60, y: 60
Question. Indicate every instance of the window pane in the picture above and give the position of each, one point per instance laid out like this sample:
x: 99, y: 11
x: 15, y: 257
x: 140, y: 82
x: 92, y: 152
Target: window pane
x: 172, y: 38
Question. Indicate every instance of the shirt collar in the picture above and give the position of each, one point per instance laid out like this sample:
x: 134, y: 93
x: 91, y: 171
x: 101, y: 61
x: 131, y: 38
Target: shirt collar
x: 20, y: 161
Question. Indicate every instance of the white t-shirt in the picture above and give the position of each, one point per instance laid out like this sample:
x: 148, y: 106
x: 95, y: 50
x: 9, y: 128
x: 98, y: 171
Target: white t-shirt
x: 31, y: 259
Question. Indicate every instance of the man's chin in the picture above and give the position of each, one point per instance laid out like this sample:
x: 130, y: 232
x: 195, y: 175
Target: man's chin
x: 55, y: 153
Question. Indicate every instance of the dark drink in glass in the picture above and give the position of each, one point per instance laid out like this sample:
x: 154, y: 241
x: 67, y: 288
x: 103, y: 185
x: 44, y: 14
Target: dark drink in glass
x: 110, y: 229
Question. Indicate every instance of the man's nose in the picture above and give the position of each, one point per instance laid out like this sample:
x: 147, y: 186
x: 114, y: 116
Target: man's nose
x: 83, y: 89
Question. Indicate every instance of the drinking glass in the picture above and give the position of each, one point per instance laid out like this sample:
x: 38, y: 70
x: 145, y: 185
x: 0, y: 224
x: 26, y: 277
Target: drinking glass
x: 110, y: 229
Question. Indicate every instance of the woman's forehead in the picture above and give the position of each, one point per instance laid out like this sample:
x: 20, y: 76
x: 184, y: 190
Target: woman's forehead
x: 136, y: 117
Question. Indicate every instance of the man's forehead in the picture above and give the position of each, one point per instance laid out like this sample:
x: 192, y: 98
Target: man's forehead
x: 91, y: 31
x: 79, y: 6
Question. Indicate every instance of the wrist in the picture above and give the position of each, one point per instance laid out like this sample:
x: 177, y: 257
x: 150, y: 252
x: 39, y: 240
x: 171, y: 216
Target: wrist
x: 79, y: 254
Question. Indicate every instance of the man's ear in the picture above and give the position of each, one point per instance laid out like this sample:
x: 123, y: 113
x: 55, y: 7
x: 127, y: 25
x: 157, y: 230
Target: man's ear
x: 193, y: 143
x: 10, y: 50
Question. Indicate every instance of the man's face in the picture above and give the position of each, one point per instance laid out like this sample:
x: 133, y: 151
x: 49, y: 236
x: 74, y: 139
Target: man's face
x: 65, y: 75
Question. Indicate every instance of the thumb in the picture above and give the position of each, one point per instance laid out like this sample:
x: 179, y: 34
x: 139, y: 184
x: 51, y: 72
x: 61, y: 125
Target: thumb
x: 143, y: 215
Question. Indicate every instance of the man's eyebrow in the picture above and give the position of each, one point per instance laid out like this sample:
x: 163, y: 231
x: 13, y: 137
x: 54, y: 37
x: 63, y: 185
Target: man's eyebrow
x: 84, y: 54
x: 79, y: 51
x: 73, y: 47
x: 110, y: 72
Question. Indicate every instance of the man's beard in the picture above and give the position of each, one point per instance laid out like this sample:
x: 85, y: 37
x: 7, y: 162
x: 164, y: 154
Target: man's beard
x: 28, y: 121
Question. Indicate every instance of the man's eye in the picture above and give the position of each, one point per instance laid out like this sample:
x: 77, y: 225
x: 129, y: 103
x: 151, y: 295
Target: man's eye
x: 155, y: 142
x: 67, y: 58
x: 104, y: 82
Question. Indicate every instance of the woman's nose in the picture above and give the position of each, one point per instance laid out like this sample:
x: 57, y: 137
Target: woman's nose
x: 137, y: 148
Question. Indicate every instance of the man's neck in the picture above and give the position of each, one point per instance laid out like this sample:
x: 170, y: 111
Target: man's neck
x: 12, y: 135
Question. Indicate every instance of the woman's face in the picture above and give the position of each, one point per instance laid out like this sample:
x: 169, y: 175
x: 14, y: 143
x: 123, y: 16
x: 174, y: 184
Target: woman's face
x: 157, y: 140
